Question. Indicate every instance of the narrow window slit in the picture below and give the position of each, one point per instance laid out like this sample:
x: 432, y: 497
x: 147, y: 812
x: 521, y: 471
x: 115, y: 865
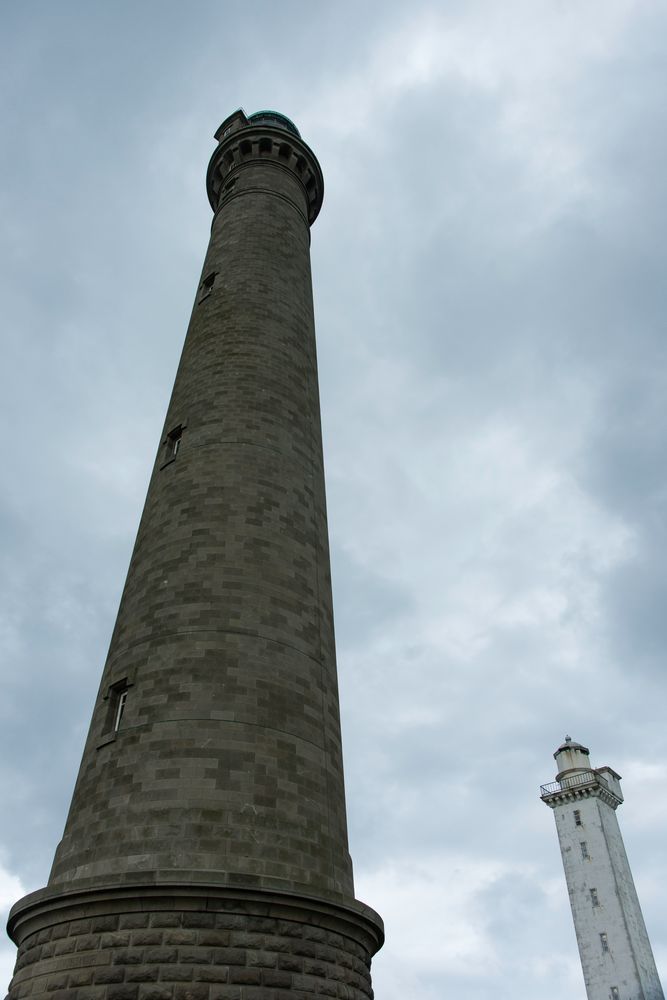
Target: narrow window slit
x: 116, y: 704
x: 173, y: 443
x: 206, y: 286
x: 120, y: 709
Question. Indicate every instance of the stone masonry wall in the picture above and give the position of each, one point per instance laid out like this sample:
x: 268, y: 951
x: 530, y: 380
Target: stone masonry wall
x: 205, y: 854
x: 190, y: 955
x: 228, y: 757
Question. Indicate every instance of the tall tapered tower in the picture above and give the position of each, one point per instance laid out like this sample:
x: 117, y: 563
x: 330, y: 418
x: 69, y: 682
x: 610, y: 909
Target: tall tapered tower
x: 615, y: 951
x: 205, y: 853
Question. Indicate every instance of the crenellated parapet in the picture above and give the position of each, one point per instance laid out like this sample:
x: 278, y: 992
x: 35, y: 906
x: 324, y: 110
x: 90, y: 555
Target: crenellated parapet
x: 267, y: 137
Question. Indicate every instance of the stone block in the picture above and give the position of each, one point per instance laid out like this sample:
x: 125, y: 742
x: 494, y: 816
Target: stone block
x: 179, y: 973
x: 276, y: 978
x: 140, y: 938
x: 123, y: 992
x: 88, y: 942
x: 290, y: 963
x: 199, y: 920
x: 58, y: 982
x: 156, y: 991
x: 180, y: 936
x: 225, y: 992
x: 133, y: 921
x: 80, y: 977
x: 142, y: 974
x: 165, y: 918
x: 195, y: 956
x: 109, y: 974
x: 128, y: 956
x: 229, y: 956
x: 117, y: 939
x: 160, y: 956
x: 213, y: 938
x: 104, y: 923
x: 193, y: 991
x: 240, y: 974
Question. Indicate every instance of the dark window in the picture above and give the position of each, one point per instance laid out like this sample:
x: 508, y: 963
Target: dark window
x: 594, y: 897
x: 120, y: 708
x: 613, y: 993
x: 207, y: 284
x: 173, y: 443
x: 577, y: 818
x: 117, y: 700
x: 584, y: 850
x: 604, y: 942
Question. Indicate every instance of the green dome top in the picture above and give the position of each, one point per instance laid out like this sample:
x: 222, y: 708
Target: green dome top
x: 274, y: 118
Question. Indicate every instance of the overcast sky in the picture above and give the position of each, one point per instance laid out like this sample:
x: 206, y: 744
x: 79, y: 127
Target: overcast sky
x: 490, y: 296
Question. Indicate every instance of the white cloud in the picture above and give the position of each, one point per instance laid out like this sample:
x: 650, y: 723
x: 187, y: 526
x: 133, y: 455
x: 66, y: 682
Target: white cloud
x: 446, y: 911
x: 431, y: 906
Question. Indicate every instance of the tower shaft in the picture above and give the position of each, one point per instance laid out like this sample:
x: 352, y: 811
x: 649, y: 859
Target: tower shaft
x: 210, y: 792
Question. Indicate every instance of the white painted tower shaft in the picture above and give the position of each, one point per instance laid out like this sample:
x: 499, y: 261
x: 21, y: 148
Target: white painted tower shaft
x: 615, y: 951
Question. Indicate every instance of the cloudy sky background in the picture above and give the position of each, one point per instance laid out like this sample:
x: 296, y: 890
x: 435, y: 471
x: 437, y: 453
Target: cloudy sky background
x: 489, y: 273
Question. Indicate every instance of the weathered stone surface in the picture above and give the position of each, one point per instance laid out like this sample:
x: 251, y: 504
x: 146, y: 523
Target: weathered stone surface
x: 347, y: 939
x: 213, y: 763
x: 228, y: 756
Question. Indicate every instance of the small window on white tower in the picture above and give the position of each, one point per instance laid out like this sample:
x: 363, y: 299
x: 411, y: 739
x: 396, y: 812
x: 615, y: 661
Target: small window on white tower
x: 577, y: 818
x: 613, y: 993
x: 594, y: 897
x: 604, y: 942
x: 584, y: 850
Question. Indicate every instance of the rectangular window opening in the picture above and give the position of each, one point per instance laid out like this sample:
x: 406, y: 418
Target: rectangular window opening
x: 121, y: 699
x: 594, y: 897
x: 604, y: 942
x: 613, y: 993
x: 577, y: 818
x: 584, y: 850
x: 206, y: 286
x: 173, y: 443
x: 116, y: 702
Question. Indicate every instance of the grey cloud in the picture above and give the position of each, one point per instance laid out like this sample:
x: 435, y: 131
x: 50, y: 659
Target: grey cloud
x: 491, y: 353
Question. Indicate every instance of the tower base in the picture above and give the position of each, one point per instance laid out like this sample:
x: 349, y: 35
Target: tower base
x: 191, y: 942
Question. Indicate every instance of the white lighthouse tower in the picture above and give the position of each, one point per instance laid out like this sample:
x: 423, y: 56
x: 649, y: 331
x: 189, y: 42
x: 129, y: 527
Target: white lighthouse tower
x: 615, y: 951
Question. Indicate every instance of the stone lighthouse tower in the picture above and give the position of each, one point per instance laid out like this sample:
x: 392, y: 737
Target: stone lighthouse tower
x: 205, y: 853
x: 615, y: 951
